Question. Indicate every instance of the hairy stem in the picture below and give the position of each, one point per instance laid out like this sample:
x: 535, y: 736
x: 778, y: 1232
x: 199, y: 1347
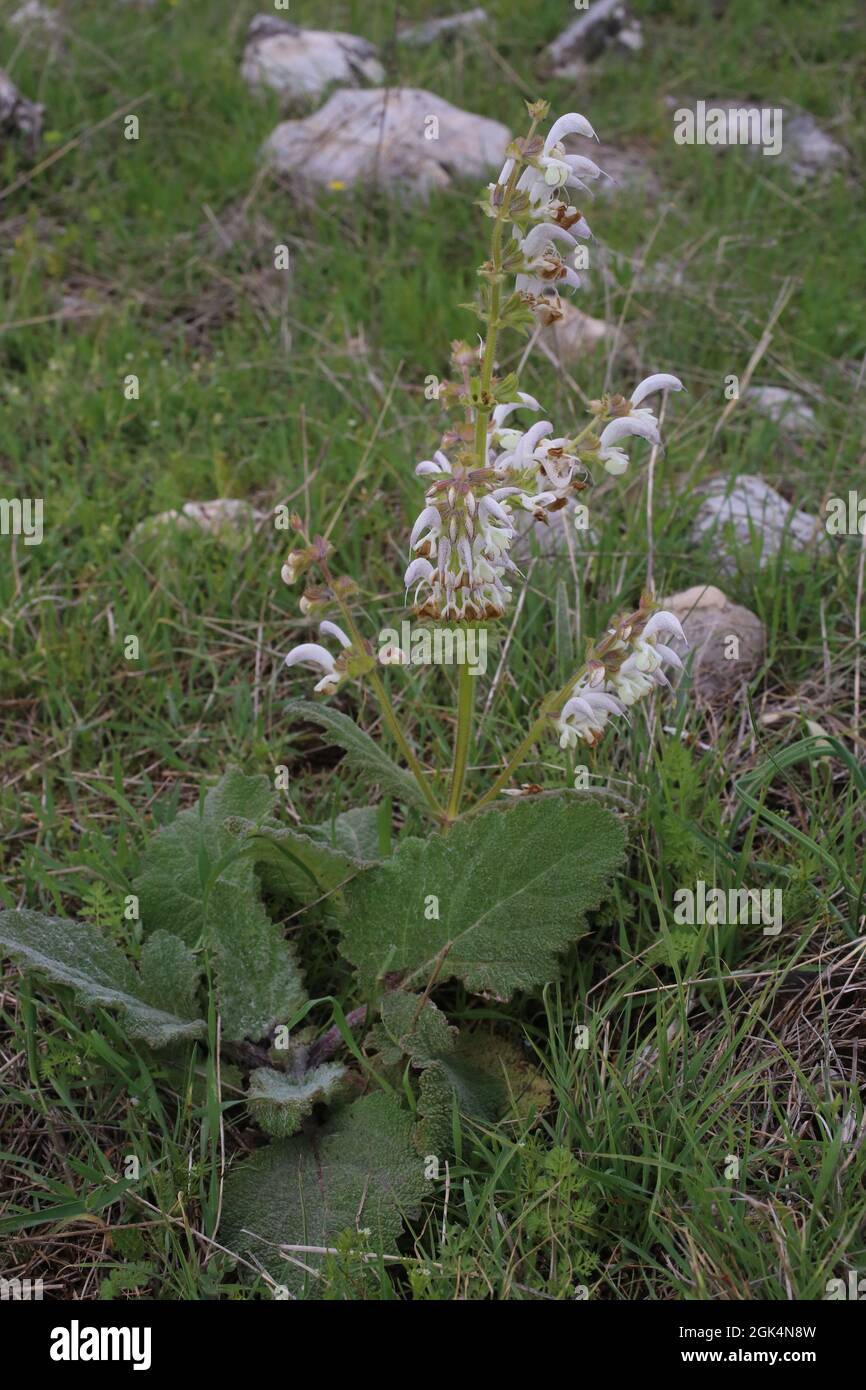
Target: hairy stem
x: 385, y: 705
x: 465, y: 703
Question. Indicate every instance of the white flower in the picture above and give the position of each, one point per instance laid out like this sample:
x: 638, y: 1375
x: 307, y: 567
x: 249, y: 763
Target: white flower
x: 615, y: 460
x: 585, y: 715
x: 625, y: 425
x: 659, y: 381
x: 643, y: 667
x: 314, y: 655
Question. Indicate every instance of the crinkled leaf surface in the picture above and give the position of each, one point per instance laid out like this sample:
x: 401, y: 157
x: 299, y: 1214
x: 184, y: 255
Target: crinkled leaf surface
x: 279, y: 1102
x: 362, y: 752
x: 198, y: 882
x: 170, y: 885
x: 484, y: 1073
x: 355, y: 832
x: 360, y: 1171
x: 512, y: 889
x: 79, y: 955
x: 293, y: 865
x: 170, y: 974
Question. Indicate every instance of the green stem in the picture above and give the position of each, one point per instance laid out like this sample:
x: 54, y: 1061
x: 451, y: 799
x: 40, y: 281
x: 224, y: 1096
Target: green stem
x: 549, y: 710
x: 399, y: 737
x: 385, y: 705
x: 465, y: 703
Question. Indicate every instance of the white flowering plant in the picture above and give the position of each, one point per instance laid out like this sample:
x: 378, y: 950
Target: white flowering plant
x: 361, y: 1107
x: 494, y: 471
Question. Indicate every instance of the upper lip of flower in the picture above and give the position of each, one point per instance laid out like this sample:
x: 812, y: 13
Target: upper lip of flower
x: 659, y: 381
x: 315, y: 655
x: 570, y: 124
x: 625, y: 425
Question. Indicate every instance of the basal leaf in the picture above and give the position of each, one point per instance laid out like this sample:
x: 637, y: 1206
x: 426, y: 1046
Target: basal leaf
x: 279, y: 1102
x: 484, y: 1073
x: 360, y: 1172
x: 510, y: 887
x: 170, y: 974
x: 170, y: 888
x: 257, y: 977
x: 198, y: 882
x: 78, y: 955
x: 362, y: 752
x: 294, y: 866
x: 354, y: 832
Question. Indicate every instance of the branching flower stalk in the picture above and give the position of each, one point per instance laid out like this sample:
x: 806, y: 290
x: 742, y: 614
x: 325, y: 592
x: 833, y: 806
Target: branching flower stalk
x: 490, y: 472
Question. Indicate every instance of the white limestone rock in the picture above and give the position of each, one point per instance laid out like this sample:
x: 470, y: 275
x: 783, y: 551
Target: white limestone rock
x: 431, y: 30
x: 17, y: 114
x: 394, y: 137
x: 787, y: 409
x: 607, y: 24
x: 299, y: 64
x: 229, y: 519
x: 748, y: 512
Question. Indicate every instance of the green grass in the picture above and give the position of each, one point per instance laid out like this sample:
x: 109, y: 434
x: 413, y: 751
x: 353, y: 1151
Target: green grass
x: 273, y: 388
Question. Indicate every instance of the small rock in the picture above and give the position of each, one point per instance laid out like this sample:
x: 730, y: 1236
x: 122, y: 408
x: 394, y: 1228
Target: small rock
x: 576, y: 335
x: 17, y: 113
x: 434, y: 29
x: 726, y: 642
x: 606, y: 24
x: 627, y: 171
x: 300, y: 63
x: 739, y: 511
x: 807, y: 149
x: 229, y: 519
x: 785, y: 408
x: 398, y: 135
x: 35, y: 15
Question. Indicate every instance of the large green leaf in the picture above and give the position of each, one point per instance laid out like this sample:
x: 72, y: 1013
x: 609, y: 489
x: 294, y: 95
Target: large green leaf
x: 355, y: 832
x: 293, y: 865
x: 511, y: 889
x: 485, y: 1074
x: 198, y: 881
x: 79, y: 955
x: 279, y: 1102
x: 360, y: 1172
x: 362, y: 752
x: 256, y: 973
x: 170, y: 887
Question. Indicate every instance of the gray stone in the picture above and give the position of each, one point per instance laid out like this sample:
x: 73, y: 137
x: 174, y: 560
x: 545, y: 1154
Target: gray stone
x: 390, y: 136
x: 727, y: 642
x: 446, y: 27
x: 17, y: 113
x: 807, y: 149
x: 627, y: 171
x: 299, y: 64
x: 606, y: 24
x: 229, y: 519
x: 35, y: 15
x: 785, y: 408
x: 735, y: 513
x: 577, y: 336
